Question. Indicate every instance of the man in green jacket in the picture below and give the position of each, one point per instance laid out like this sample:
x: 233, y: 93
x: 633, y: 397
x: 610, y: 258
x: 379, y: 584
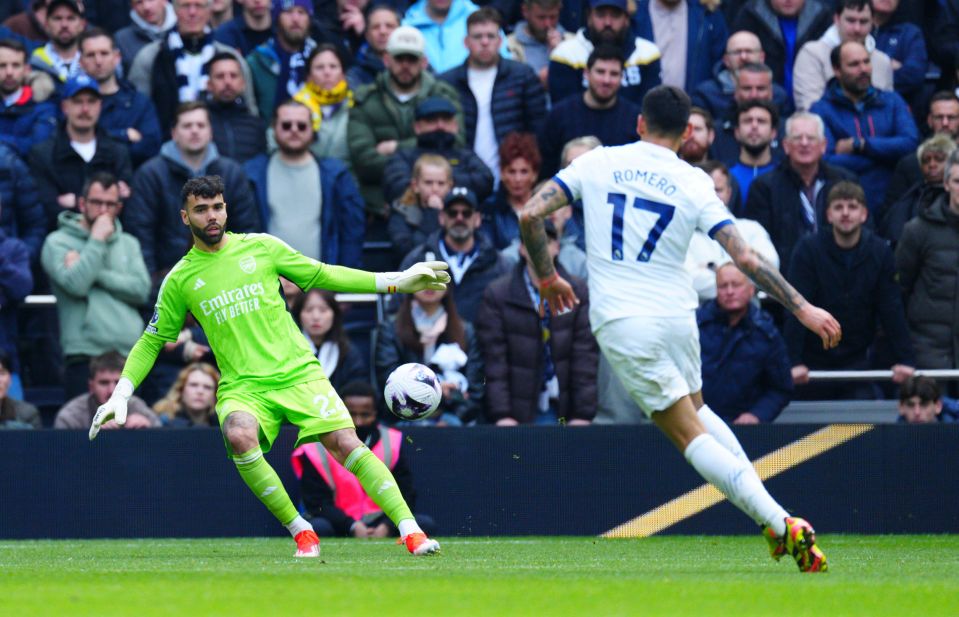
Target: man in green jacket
x: 381, y: 121
x: 99, y: 279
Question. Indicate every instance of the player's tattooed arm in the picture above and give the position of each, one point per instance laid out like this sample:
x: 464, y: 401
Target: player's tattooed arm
x: 547, y: 199
x: 759, y: 269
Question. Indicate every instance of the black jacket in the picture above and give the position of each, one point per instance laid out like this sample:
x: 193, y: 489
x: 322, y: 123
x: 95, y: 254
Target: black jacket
x: 894, y: 217
x: 775, y: 203
x: 237, y: 133
x: 859, y: 288
x: 58, y: 169
x: 468, y: 169
x: 927, y: 260
x: 468, y: 293
x: 518, y: 102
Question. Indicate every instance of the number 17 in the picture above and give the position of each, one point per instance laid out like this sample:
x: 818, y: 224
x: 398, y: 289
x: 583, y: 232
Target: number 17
x: 665, y: 212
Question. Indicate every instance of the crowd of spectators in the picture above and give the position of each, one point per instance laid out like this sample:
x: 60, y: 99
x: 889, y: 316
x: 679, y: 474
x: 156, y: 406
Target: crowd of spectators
x: 367, y: 133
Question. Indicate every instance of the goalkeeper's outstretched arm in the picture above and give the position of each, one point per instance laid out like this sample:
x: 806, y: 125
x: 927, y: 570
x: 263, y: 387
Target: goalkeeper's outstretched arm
x: 137, y: 366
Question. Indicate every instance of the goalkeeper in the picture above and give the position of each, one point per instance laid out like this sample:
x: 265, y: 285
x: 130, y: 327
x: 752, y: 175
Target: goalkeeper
x: 229, y: 282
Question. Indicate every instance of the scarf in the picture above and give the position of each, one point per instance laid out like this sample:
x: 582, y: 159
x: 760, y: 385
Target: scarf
x: 324, y: 103
x: 65, y: 69
x: 294, y: 70
x: 191, y: 68
x: 549, y: 383
x: 430, y: 327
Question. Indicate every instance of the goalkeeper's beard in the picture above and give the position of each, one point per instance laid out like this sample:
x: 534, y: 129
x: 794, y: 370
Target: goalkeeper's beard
x: 206, y: 238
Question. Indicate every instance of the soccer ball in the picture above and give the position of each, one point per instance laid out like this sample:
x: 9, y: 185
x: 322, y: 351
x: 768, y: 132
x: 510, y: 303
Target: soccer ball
x: 413, y: 391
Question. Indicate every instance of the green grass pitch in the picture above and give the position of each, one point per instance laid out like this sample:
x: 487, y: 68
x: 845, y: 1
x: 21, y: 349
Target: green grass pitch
x: 674, y: 576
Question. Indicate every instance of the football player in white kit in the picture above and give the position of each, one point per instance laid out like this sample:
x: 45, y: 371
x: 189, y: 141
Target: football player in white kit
x: 641, y: 204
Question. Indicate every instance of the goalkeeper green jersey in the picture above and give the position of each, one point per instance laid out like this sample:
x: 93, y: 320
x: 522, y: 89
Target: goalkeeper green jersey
x: 234, y: 294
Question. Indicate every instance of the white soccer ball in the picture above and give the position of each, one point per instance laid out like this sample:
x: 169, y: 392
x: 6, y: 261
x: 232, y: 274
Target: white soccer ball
x: 413, y: 392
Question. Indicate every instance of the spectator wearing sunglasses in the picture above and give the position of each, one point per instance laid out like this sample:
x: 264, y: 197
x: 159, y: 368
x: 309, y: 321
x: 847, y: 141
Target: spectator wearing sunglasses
x: 309, y: 202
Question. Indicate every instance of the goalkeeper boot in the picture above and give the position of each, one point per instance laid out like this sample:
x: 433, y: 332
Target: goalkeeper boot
x: 307, y: 544
x: 800, y: 541
x: 777, y: 544
x: 418, y: 544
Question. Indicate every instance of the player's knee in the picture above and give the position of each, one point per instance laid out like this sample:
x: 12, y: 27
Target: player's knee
x: 240, y: 431
x: 341, y: 443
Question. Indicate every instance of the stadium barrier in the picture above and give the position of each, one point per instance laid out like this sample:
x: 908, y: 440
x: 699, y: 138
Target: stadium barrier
x: 622, y: 480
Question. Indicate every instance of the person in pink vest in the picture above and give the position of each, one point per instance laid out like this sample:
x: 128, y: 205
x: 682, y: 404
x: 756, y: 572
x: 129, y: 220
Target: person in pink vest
x: 335, y: 502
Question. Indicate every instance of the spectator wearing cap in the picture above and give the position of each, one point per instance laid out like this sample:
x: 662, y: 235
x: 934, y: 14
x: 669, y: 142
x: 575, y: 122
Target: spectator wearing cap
x: 238, y: 133
x: 381, y: 120
x: 25, y: 120
x: 690, y: 35
x: 279, y: 66
x: 248, y: 30
x: 498, y: 96
x: 606, y: 22
x: 444, y: 27
x: 539, y: 368
x: 149, y: 20
x: 599, y: 111
x: 311, y: 203
x: 473, y: 260
x: 382, y: 20
x: 174, y: 69
x: 60, y: 57
x: 126, y: 115
x: 436, y: 127
x: 79, y: 148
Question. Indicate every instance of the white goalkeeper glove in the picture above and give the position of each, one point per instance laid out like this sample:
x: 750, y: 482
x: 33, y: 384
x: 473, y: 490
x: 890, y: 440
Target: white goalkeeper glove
x: 423, y: 275
x: 115, y: 408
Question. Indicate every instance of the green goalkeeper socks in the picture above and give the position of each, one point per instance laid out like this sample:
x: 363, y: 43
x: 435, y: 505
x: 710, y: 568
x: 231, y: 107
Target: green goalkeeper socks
x: 378, y: 483
x: 265, y: 484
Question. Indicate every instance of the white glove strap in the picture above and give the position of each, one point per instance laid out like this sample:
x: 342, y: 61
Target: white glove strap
x: 387, y: 282
x: 124, y: 389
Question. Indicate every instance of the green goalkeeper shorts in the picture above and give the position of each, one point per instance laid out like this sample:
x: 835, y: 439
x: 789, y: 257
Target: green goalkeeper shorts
x: 314, y: 407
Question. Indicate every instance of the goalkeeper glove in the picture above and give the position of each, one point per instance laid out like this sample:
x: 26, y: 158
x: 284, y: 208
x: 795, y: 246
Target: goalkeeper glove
x: 115, y: 408
x: 423, y: 275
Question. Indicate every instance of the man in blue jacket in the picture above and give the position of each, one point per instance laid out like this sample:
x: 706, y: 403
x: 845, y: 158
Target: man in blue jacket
x: 850, y: 272
x: 443, y: 24
x: 310, y: 203
x: 21, y: 215
x: 867, y: 130
x: 745, y: 366
x: 126, y: 115
x: 24, y: 121
x: 903, y: 42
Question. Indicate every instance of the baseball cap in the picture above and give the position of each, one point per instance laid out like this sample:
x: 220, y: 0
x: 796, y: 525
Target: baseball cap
x: 406, y: 40
x: 461, y: 194
x: 76, y: 85
x: 434, y: 106
x: 619, y: 4
x: 73, y: 5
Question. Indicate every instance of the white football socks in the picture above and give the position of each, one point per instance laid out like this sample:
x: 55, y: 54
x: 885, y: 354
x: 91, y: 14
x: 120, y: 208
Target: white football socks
x: 408, y: 526
x: 297, y: 525
x: 716, y: 427
x: 734, y: 478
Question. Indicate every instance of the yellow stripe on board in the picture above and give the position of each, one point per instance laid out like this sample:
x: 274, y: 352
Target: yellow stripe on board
x: 706, y: 496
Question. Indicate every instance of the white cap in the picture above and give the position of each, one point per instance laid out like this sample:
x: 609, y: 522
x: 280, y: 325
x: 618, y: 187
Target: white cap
x: 406, y: 40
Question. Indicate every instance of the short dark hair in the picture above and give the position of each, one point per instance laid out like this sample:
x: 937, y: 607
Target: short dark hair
x: 92, y: 33
x: 203, y: 186
x: 835, y: 56
x: 713, y: 165
x: 15, y: 45
x: 755, y: 67
x: 856, y: 5
x: 185, y: 108
x: 336, y: 50
x: 289, y: 103
x: 943, y: 95
x: 925, y: 388
x: 103, y: 178
x: 666, y: 111
x: 846, y: 189
x: 484, y: 15
x: 221, y: 56
x: 357, y: 388
x: 769, y: 106
x: 109, y: 361
x: 606, y: 52
x: 707, y: 117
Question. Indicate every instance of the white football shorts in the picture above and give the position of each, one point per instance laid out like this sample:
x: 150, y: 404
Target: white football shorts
x: 656, y: 358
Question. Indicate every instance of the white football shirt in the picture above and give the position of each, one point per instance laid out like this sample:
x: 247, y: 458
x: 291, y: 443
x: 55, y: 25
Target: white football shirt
x: 641, y: 205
